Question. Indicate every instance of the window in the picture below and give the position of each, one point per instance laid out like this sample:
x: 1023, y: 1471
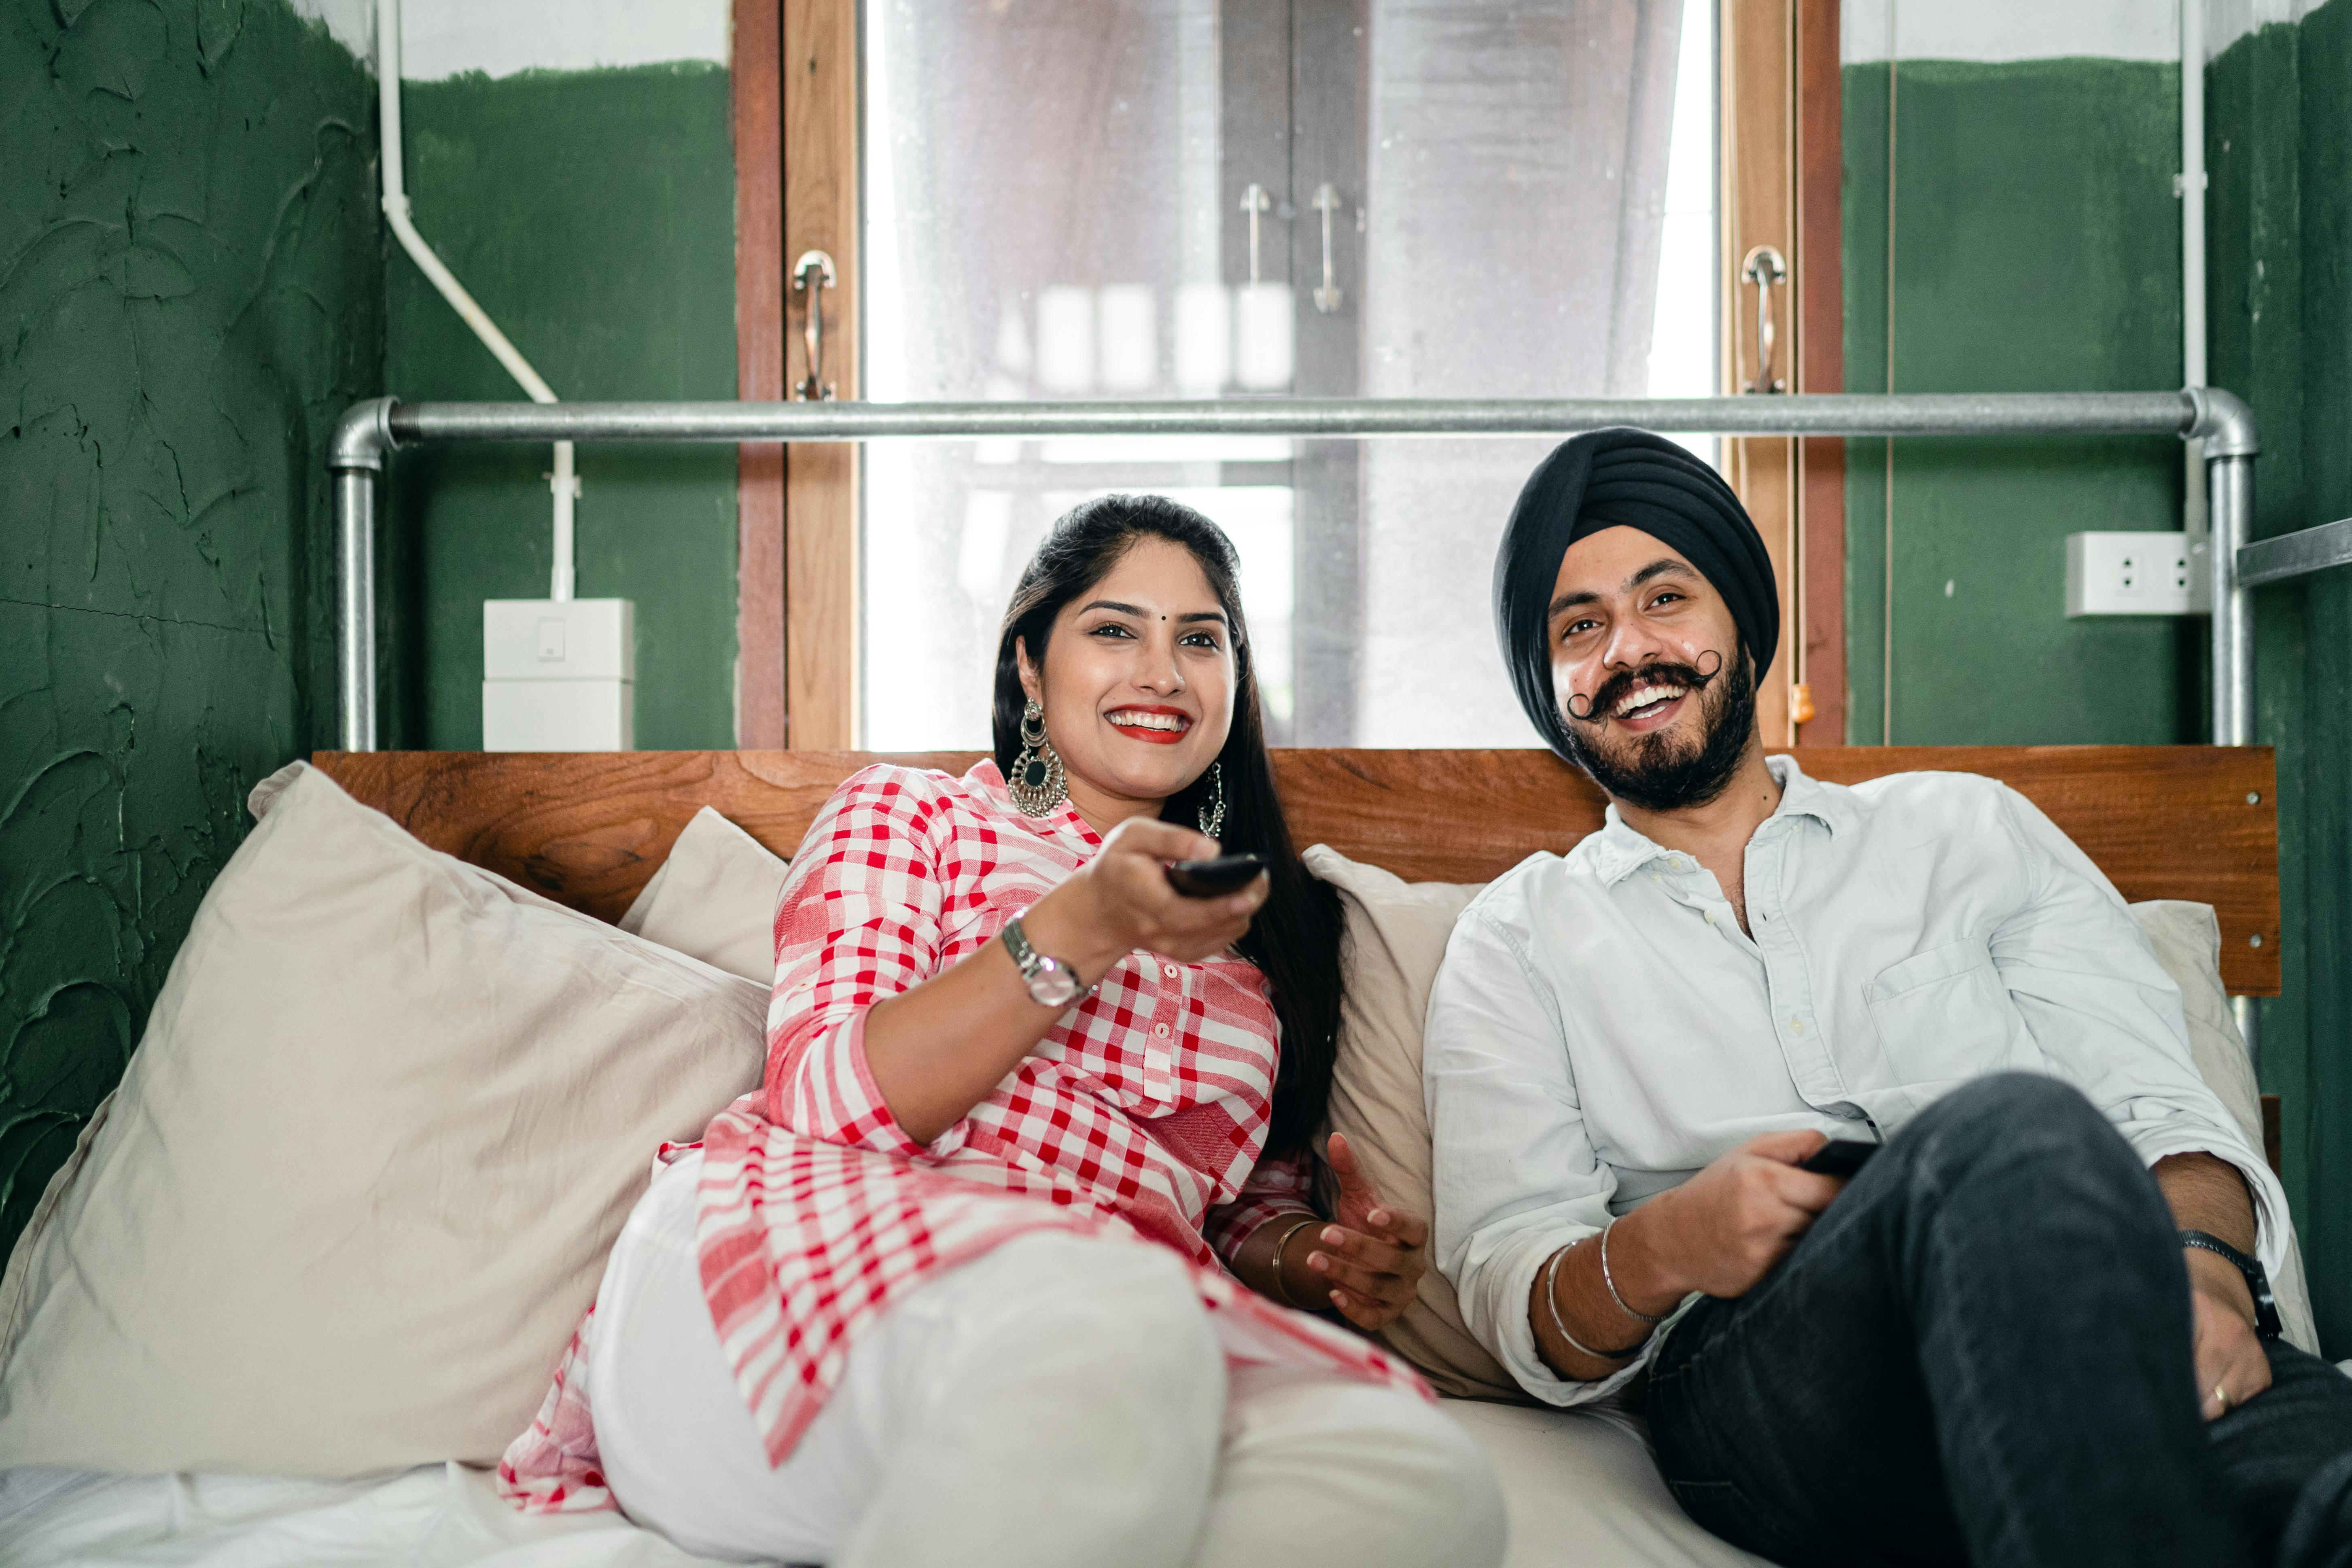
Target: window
x: 1129, y: 198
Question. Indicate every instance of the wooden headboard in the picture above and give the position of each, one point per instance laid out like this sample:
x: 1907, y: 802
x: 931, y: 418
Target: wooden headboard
x: 589, y: 828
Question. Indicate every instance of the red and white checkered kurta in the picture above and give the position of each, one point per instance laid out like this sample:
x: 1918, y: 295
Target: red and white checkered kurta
x: 1141, y: 1114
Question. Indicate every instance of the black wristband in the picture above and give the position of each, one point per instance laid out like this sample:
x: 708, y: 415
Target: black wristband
x: 2258, y: 1280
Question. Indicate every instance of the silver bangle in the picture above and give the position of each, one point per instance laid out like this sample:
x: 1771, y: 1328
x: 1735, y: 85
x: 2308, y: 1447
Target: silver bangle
x: 1551, y: 1275
x: 1606, y: 1278
x: 1280, y: 1288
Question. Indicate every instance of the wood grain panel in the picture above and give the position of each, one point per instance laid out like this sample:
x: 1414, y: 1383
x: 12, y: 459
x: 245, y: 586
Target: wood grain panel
x: 589, y: 829
x: 756, y: 76
x: 1758, y: 207
x: 820, y: 113
x: 1820, y: 288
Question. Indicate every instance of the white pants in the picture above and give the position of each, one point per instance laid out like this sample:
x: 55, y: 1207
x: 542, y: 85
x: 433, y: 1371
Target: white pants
x: 1059, y: 1401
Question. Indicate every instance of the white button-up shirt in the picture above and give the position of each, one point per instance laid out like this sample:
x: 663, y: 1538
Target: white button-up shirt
x: 1603, y: 1029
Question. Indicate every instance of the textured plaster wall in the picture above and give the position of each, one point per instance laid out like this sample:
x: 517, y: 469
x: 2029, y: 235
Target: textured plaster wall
x: 190, y: 292
x: 2279, y: 146
x: 593, y: 214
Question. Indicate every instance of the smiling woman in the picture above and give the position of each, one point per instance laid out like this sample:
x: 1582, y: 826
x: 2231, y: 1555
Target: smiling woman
x: 1030, y: 1159
x: 1127, y: 633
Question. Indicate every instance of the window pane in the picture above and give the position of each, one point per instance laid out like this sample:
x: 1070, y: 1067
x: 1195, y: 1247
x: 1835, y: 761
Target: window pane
x: 1057, y: 206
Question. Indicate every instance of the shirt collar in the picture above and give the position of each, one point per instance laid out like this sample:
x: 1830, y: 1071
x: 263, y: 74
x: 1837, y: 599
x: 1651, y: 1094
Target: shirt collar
x: 1617, y: 851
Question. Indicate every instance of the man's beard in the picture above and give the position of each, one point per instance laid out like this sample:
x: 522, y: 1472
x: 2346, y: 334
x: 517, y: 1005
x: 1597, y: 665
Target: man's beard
x: 1661, y: 770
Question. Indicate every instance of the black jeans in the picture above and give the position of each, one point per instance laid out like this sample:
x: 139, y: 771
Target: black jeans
x: 1980, y: 1353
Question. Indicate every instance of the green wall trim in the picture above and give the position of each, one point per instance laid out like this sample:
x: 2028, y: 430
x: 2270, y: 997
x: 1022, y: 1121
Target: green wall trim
x: 190, y: 293
x: 592, y: 212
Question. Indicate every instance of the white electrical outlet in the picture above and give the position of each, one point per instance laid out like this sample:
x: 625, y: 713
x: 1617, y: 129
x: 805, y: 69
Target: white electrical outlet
x: 2157, y: 574
x: 559, y: 675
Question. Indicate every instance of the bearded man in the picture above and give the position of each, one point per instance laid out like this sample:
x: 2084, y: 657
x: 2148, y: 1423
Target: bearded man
x: 2035, y: 1327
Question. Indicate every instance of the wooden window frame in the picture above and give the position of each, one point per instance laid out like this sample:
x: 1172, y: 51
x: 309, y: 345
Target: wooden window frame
x: 1781, y: 157
x: 796, y: 188
x: 796, y: 172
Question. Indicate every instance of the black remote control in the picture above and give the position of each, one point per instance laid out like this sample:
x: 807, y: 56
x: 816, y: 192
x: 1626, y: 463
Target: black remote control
x: 1839, y: 1157
x: 1208, y: 878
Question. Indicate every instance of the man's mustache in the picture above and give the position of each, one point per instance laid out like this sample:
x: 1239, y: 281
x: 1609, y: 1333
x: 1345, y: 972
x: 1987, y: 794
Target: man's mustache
x: 1619, y: 686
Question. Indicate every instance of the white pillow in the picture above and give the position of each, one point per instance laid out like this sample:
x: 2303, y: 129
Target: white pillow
x: 714, y: 898
x: 1396, y: 935
x: 359, y: 1179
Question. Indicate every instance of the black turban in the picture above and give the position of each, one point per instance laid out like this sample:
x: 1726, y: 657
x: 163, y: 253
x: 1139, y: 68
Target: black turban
x: 1632, y: 478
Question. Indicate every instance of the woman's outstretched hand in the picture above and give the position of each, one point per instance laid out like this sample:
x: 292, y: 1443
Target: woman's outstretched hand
x: 1121, y: 901
x: 1371, y: 1254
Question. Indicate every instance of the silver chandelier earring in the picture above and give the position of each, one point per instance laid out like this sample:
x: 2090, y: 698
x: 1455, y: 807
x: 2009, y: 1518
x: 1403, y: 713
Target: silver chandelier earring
x: 1213, y: 811
x: 1038, y: 783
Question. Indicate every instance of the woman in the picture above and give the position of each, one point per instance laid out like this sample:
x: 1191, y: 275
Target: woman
x: 946, y: 1288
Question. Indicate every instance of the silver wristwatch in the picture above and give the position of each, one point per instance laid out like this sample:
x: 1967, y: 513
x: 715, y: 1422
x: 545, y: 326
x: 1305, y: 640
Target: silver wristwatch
x: 1051, y: 982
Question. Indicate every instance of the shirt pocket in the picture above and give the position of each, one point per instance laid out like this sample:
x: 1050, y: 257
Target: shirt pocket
x: 1944, y: 1015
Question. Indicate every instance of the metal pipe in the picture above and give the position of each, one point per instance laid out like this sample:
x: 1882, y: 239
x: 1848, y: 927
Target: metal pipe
x: 370, y: 429
x: 356, y: 607
x: 2002, y: 414
x: 2287, y: 556
x: 2191, y: 188
x: 2232, y: 487
x: 2229, y: 492
x: 562, y: 482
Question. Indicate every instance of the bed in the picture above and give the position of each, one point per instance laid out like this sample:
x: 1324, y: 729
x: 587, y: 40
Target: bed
x: 589, y: 832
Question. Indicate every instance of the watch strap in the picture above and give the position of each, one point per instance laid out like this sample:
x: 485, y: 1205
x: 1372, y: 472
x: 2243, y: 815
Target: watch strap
x: 1034, y: 965
x: 2258, y: 1278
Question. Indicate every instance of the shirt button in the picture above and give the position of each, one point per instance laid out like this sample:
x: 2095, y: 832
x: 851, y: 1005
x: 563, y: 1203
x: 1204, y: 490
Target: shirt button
x: 1796, y: 1025
x: 1710, y: 917
x: 1172, y: 971
x: 1160, y: 1030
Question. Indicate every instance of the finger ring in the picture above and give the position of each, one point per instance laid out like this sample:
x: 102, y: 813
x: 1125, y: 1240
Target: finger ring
x: 2221, y: 1398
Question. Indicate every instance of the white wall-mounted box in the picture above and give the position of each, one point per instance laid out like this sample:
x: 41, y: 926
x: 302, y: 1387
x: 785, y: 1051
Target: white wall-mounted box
x: 2154, y: 573
x: 559, y: 675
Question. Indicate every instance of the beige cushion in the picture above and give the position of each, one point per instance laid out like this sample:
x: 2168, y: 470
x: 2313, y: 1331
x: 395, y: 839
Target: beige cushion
x: 714, y: 898
x: 1396, y: 936
x: 1395, y: 940
x: 359, y: 1179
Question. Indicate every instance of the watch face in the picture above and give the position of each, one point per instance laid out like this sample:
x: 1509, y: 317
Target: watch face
x: 1053, y: 985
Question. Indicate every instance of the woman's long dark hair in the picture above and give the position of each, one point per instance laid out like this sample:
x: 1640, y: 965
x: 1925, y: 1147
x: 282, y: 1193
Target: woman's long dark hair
x: 1294, y: 939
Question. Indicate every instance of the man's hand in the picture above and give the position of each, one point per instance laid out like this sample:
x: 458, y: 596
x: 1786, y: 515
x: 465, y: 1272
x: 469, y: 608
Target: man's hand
x: 2207, y: 1194
x: 1724, y: 1229
x: 2232, y: 1366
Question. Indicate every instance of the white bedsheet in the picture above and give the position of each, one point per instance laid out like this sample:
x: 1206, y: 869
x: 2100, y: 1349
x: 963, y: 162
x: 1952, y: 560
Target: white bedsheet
x: 436, y: 1515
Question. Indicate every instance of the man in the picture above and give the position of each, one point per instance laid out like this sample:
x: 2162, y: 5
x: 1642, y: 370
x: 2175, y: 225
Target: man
x: 2027, y: 1330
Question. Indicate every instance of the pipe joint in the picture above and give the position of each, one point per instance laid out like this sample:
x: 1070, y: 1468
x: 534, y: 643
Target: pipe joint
x: 362, y: 436
x: 2222, y: 422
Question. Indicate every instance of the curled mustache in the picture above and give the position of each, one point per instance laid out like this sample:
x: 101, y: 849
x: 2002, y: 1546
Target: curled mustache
x: 1614, y: 689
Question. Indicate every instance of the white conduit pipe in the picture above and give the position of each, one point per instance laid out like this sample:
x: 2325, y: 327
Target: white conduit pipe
x: 2194, y: 513
x: 396, y: 209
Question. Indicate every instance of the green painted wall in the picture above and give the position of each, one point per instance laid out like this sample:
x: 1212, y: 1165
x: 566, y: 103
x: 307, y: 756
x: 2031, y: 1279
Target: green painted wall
x: 592, y: 212
x: 2015, y: 268
x: 2036, y: 247
x: 190, y: 293
x: 2279, y: 146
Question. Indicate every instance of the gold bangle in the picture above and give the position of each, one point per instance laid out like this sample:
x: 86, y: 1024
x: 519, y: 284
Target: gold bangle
x: 1281, y: 1289
x: 1560, y: 1325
